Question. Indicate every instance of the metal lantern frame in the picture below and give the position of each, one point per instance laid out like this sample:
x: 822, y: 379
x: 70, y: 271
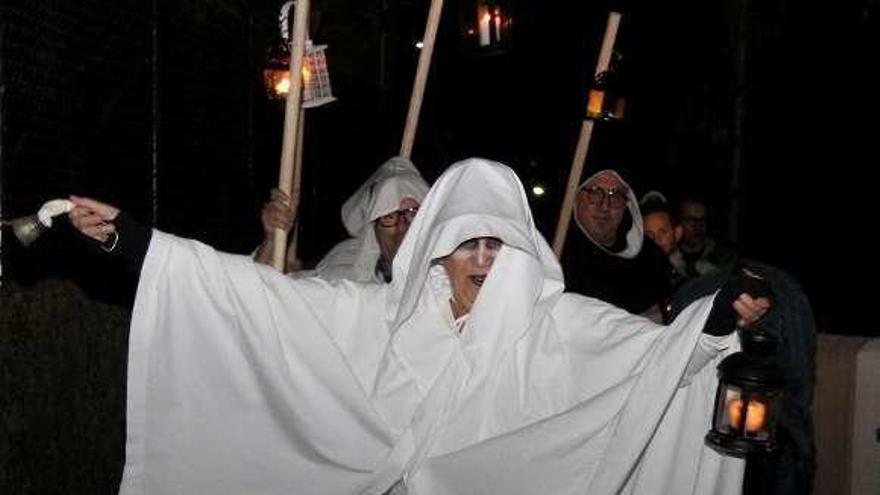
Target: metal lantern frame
x: 749, y: 396
x: 606, y: 100
x: 317, y: 89
x: 486, y: 24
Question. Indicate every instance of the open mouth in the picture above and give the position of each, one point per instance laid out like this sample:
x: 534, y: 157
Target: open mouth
x: 477, y: 280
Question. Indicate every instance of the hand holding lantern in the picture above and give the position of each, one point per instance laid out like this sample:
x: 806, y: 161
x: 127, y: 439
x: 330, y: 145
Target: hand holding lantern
x: 750, y: 382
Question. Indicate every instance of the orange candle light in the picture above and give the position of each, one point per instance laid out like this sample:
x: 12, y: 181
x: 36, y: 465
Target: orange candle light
x: 594, y: 102
x: 756, y: 414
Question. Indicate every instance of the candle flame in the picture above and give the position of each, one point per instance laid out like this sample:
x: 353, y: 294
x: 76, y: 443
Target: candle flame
x: 756, y: 412
x: 282, y: 87
x: 595, y: 102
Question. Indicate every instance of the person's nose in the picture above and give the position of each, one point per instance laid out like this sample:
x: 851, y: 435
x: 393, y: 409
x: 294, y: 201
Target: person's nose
x: 485, y: 255
x: 404, y: 221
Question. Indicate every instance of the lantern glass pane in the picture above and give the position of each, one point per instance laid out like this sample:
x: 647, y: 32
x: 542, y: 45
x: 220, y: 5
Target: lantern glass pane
x: 728, y: 416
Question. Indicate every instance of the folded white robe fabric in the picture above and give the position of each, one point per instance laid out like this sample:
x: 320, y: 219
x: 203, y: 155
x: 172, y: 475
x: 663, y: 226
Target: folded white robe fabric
x: 242, y: 380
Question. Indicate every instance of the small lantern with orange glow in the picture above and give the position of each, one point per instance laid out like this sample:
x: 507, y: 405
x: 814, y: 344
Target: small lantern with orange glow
x: 487, y: 23
x: 316, y: 78
x: 607, y: 99
x: 748, y: 398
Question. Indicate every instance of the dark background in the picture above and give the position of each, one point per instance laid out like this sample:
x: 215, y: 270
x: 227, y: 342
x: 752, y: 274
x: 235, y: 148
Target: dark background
x: 766, y: 109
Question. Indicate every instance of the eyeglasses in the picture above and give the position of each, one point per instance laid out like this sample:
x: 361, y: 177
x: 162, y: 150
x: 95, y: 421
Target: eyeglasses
x: 694, y: 220
x: 617, y: 198
x: 393, y: 219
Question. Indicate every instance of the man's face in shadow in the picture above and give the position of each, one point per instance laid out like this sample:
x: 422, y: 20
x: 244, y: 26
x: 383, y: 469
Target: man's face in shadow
x: 693, y: 222
x: 601, y: 204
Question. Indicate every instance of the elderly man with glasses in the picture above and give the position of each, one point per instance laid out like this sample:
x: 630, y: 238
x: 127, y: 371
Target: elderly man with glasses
x: 607, y: 256
x: 377, y: 216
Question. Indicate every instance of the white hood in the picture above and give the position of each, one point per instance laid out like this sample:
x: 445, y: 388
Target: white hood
x: 355, y: 259
x: 477, y: 198
x: 635, y: 235
x: 381, y: 194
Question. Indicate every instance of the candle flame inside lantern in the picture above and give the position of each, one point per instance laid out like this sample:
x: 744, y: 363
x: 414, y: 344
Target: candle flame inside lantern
x: 484, y: 17
x: 595, y: 102
x: 756, y: 413
x: 282, y: 87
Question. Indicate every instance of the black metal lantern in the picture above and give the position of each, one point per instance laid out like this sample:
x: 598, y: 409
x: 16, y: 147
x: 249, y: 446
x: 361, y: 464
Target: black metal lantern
x: 748, y: 399
x: 487, y: 24
x: 607, y: 100
x: 276, y: 73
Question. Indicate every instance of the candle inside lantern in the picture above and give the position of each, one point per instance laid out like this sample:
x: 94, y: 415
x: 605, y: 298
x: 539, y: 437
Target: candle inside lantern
x: 756, y: 413
x: 282, y: 87
x: 483, y: 19
x: 594, y: 102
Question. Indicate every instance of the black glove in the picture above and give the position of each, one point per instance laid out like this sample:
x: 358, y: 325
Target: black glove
x: 129, y: 242
x: 722, y: 319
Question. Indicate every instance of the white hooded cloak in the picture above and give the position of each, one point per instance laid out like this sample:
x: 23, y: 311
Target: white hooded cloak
x: 242, y: 380
x: 355, y: 258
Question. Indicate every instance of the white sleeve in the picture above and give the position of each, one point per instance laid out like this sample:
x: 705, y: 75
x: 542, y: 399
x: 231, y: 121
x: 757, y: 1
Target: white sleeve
x: 708, y: 346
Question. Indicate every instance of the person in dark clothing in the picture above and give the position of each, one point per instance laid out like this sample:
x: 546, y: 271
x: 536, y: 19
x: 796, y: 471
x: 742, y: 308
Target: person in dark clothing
x: 789, y: 470
x: 607, y: 256
x: 701, y: 254
x: 662, y: 227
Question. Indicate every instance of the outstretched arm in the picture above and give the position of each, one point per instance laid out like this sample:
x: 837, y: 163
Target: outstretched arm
x: 110, y: 229
x: 742, y: 301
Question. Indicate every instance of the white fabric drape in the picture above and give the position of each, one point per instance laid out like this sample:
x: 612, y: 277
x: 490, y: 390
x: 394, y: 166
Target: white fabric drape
x: 242, y: 380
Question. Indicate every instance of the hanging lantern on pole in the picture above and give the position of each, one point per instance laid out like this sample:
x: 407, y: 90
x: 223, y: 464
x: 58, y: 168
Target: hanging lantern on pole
x: 316, y: 76
x: 487, y: 24
x: 606, y: 100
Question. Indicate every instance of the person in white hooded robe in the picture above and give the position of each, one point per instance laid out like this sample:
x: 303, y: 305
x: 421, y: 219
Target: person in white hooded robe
x: 242, y: 380
x: 376, y: 217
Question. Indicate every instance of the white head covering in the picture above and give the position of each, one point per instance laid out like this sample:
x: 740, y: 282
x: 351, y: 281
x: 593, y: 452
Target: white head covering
x: 355, y: 259
x: 636, y: 233
x: 381, y: 194
x: 473, y: 198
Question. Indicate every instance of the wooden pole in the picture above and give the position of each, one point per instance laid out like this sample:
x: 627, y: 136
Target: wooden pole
x: 415, y: 101
x: 295, y: 187
x: 583, y: 144
x: 291, y: 121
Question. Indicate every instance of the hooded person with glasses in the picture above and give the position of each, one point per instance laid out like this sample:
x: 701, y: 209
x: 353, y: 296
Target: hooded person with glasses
x: 376, y: 217
x: 606, y: 256
x: 470, y: 372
